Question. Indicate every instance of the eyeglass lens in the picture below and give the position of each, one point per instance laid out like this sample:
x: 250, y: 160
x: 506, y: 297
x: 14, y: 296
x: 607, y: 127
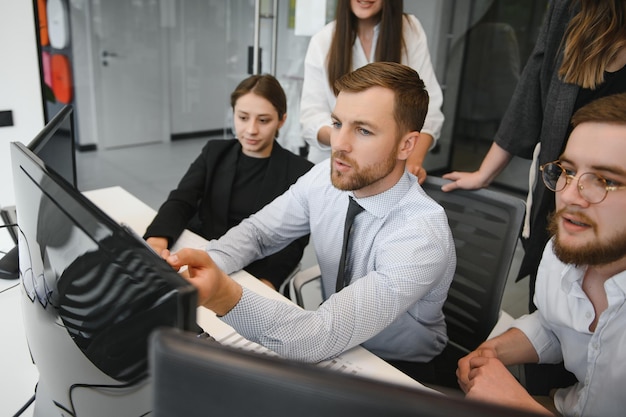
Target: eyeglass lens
x: 591, y: 186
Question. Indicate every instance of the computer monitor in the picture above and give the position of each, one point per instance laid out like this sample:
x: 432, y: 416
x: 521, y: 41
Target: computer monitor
x: 92, y: 293
x: 199, y: 377
x: 55, y: 146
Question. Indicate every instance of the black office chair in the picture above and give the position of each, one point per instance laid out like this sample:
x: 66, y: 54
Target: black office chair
x: 485, y: 225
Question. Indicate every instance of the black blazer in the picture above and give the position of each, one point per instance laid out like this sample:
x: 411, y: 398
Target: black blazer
x: 201, y: 201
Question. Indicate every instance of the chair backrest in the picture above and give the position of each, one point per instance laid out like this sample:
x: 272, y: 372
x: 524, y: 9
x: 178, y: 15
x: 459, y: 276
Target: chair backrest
x: 485, y: 225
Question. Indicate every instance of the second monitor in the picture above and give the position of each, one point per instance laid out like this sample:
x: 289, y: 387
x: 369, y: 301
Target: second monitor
x: 91, y: 294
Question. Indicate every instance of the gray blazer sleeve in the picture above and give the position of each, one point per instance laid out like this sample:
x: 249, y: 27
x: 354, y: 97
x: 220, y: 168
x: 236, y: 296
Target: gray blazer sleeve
x: 542, y: 104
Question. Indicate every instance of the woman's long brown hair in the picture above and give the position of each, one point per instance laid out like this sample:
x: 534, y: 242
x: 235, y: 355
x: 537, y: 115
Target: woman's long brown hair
x: 593, y: 39
x: 390, y: 41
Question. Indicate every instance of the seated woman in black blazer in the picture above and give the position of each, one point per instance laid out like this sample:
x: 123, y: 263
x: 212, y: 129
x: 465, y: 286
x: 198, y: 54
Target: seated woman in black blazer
x: 232, y: 179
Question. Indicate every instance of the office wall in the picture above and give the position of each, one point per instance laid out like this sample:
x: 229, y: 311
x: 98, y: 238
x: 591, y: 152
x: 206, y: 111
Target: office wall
x: 198, y: 65
x: 207, y: 47
x: 430, y: 16
x: 438, y: 21
x: 20, y: 89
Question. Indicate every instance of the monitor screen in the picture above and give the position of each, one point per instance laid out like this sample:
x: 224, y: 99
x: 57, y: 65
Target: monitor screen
x: 93, y: 291
x: 55, y: 145
x: 198, y: 377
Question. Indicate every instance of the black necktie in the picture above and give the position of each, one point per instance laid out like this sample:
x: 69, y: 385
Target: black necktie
x: 353, y: 210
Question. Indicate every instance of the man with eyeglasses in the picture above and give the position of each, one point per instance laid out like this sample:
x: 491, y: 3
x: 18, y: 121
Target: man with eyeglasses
x: 581, y: 282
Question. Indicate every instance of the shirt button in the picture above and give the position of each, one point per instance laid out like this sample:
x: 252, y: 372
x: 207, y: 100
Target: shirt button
x: 588, y: 315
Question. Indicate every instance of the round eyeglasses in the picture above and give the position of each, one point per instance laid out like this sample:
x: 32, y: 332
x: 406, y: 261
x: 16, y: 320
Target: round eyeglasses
x: 592, y: 187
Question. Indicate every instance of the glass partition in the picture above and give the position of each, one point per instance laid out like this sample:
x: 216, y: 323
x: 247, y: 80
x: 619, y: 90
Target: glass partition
x: 154, y: 71
x: 500, y: 37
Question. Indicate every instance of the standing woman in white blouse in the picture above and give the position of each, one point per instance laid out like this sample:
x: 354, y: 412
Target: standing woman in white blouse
x: 364, y: 32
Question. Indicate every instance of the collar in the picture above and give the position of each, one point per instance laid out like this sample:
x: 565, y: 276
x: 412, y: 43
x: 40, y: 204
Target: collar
x: 619, y: 280
x: 382, y: 204
x: 572, y: 279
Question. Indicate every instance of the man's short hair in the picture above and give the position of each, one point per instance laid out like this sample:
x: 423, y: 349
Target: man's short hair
x: 411, y: 97
x: 609, y: 109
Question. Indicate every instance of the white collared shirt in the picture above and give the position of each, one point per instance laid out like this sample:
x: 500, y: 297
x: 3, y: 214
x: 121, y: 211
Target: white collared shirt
x: 559, y: 330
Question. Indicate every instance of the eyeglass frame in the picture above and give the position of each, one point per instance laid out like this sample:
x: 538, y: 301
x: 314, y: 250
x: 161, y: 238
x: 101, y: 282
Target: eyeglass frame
x: 569, y: 178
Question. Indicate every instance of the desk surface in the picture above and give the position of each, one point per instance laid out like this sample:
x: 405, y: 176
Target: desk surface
x: 123, y: 207
x: 18, y: 375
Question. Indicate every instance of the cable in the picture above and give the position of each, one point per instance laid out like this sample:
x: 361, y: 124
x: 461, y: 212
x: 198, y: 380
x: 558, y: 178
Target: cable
x: 9, y: 288
x: 72, y: 411
x: 25, y: 406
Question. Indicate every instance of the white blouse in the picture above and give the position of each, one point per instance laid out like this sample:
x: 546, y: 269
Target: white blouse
x: 318, y: 99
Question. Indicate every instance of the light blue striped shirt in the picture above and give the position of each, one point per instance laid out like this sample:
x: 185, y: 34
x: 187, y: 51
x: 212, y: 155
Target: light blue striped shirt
x: 402, y: 261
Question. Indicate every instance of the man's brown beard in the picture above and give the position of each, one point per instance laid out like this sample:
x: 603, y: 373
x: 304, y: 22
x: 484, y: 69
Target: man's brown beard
x: 360, y: 178
x: 597, y: 252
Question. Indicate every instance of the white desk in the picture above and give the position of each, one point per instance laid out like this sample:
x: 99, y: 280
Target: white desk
x: 18, y: 375
x: 123, y: 207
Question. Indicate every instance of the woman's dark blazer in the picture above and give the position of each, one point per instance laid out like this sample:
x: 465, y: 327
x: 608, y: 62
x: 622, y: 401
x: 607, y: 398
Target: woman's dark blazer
x: 201, y: 202
x: 540, y: 111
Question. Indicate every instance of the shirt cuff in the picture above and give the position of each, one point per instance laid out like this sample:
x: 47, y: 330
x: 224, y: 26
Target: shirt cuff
x: 543, y: 339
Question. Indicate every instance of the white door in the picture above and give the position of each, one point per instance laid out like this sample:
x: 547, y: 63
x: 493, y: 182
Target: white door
x: 132, y: 102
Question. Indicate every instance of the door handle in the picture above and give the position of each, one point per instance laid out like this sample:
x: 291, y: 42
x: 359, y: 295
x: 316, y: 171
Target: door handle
x: 107, y: 54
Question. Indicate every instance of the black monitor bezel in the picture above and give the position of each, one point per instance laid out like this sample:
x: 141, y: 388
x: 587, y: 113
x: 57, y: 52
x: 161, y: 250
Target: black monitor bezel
x: 67, y: 187
x: 194, y: 376
x: 66, y: 114
x: 27, y: 161
x: 36, y: 145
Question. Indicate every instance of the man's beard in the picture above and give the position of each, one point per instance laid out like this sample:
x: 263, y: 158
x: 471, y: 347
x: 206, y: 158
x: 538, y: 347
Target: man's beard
x: 598, y: 252
x: 360, y: 178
